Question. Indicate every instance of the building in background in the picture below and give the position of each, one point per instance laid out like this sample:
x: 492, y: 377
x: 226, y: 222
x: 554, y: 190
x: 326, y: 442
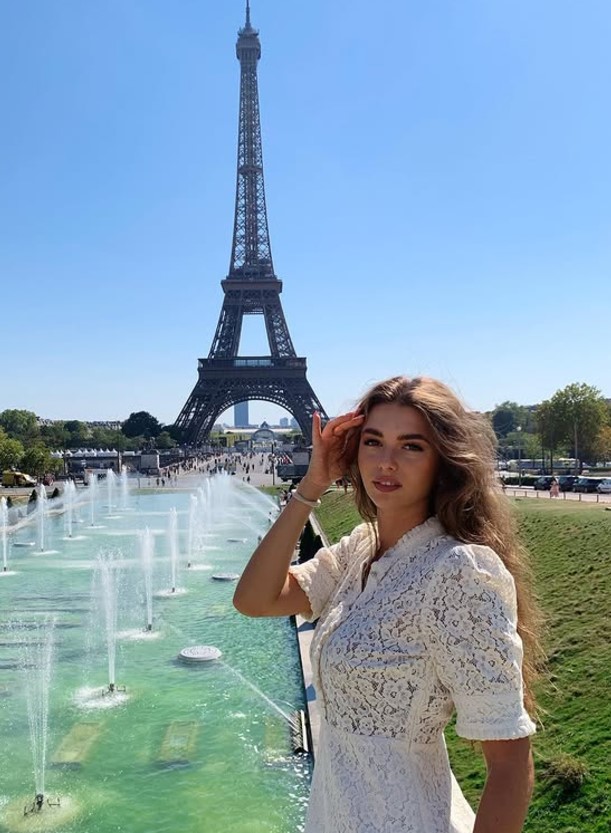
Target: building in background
x: 240, y: 417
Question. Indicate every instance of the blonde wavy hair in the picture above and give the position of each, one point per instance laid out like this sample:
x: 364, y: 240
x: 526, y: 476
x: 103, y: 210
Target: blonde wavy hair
x: 467, y: 499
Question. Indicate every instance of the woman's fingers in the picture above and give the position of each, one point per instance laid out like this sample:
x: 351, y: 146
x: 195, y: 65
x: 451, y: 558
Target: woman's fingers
x: 339, y: 425
x: 330, y: 443
x: 351, y: 422
x: 348, y: 420
x: 316, y: 426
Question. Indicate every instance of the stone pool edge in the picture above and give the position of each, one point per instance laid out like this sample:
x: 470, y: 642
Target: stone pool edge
x: 305, y: 631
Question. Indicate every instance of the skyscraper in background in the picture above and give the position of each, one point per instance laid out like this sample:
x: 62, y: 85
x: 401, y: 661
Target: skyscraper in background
x: 240, y: 418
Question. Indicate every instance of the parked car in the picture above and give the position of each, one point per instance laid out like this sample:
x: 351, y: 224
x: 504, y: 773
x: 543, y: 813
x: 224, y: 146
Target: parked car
x: 566, y: 482
x: 543, y: 483
x: 604, y: 487
x: 586, y: 484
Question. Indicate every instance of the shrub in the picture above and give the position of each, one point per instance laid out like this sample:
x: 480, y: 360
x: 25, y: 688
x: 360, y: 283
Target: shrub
x: 566, y: 772
x: 309, y: 543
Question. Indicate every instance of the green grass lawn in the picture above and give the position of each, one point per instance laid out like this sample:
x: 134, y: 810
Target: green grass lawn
x: 570, y: 545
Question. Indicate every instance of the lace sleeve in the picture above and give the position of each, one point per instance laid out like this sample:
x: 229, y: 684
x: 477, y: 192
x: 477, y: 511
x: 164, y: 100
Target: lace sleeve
x: 319, y: 576
x: 469, y: 621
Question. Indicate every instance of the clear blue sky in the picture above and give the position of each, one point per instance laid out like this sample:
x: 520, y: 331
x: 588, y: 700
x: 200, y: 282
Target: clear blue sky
x: 437, y: 175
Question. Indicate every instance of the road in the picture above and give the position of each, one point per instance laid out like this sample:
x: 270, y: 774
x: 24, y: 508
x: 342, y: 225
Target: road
x: 581, y: 497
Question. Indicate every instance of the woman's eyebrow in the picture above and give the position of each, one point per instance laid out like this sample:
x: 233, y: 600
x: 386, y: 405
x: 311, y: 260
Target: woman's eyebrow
x: 377, y: 433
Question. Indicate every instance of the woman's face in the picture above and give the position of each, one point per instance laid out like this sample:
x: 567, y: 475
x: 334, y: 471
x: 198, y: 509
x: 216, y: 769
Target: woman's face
x: 397, y: 461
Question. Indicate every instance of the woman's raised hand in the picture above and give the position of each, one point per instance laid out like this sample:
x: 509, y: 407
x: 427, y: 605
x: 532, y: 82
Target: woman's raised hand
x: 333, y: 448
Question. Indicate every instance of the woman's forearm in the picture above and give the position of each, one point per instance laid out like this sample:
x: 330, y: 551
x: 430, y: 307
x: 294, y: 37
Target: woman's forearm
x: 265, y: 577
x: 266, y: 588
x: 505, y: 799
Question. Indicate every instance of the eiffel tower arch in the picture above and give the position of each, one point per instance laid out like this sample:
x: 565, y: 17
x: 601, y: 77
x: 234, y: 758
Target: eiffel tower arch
x: 250, y: 288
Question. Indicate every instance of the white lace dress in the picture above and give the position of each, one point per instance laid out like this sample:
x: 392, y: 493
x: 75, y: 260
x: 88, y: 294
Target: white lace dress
x: 434, y: 630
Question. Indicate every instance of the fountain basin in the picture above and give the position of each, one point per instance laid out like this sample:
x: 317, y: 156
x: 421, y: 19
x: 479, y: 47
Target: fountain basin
x: 187, y: 734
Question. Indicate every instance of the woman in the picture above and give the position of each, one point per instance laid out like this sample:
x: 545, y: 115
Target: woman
x: 422, y: 610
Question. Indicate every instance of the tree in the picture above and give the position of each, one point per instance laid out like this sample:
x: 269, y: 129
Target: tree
x: 174, y: 431
x: 164, y: 440
x: 108, y: 438
x: 37, y: 460
x: 521, y: 443
x: 504, y: 419
x: 507, y: 416
x: 11, y: 452
x: 602, y: 444
x: 582, y: 412
x: 20, y: 425
x: 78, y: 433
x: 54, y: 465
x: 141, y: 424
x: 54, y: 436
x: 549, y: 428
x: 531, y: 448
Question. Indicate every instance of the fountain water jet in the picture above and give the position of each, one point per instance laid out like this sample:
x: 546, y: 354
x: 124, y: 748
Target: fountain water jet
x: 41, y: 511
x: 260, y: 693
x: 200, y: 522
x: 105, y: 568
x: 191, y: 528
x: 147, y: 550
x: 69, y: 500
x: 233, y: 501
x: 36, y: 659
x: 111, y: 484
x: 124, y: 487
x: 173, y: 538
x: 4, y: 522
x: 93, y: 494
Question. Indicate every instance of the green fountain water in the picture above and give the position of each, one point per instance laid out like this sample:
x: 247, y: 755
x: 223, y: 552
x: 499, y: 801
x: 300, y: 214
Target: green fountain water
x: 197, y: 748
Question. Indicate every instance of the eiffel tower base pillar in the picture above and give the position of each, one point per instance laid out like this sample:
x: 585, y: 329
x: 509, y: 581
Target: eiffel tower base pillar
x: 223, y: 383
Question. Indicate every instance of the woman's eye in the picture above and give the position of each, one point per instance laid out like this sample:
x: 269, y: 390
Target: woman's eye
x: 370, y: 441
x: 413, y: 447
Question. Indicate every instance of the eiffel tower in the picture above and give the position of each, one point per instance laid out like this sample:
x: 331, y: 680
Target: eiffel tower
x: 250, y: 288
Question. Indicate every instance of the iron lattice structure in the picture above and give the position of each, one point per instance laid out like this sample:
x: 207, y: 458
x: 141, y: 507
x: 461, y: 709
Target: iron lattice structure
x: 251, y: 288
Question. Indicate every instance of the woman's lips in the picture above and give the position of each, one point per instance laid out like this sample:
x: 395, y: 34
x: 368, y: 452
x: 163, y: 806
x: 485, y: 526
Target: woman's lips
x: 386, y: 485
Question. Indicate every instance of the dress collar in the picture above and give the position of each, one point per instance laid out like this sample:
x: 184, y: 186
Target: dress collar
x: 415, y: 538
x: 408, y: 545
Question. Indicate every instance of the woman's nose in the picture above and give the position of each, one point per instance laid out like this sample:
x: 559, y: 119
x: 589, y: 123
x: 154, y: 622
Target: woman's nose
x: 387, y: 460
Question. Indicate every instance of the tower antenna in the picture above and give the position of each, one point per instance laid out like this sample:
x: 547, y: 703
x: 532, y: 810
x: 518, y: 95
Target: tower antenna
x: 248, y: 26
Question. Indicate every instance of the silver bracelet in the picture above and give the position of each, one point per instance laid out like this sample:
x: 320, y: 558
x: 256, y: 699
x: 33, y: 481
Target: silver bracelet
x: 311, y: 503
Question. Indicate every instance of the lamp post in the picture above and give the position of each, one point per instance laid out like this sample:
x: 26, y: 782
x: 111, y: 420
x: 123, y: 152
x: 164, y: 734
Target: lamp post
x: 519, y: 430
